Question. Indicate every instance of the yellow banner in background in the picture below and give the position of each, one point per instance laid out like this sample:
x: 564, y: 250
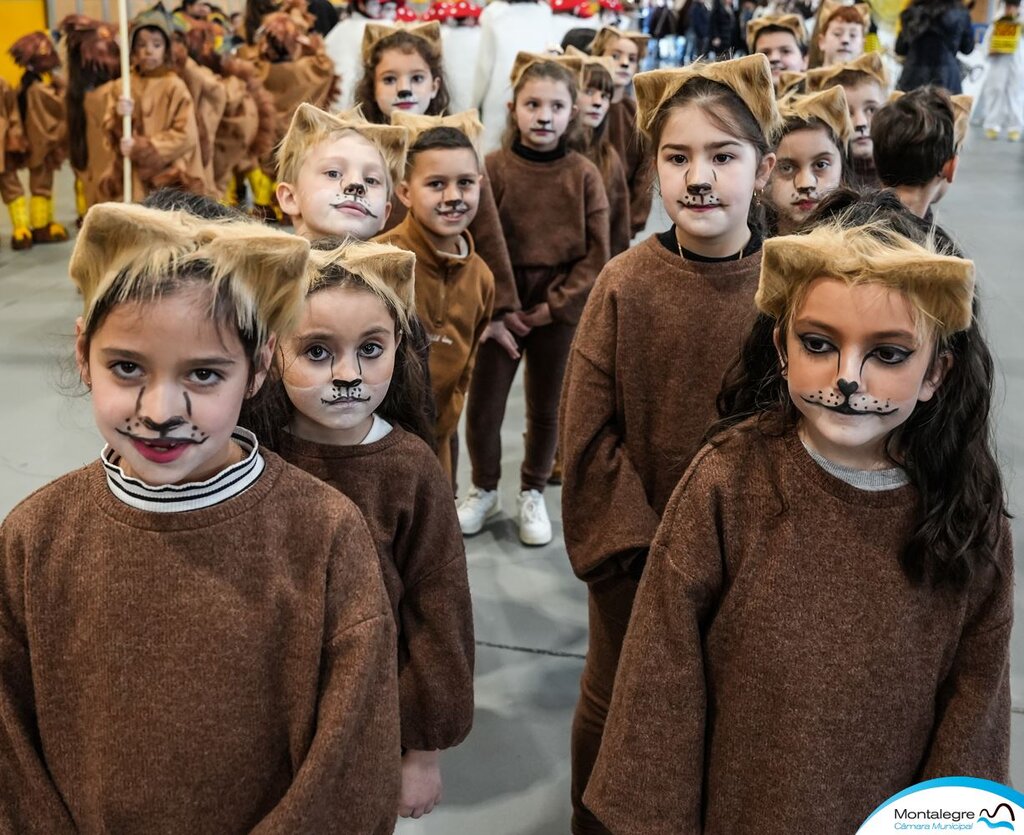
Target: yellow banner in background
x: 1005, y: 37
x: 19, y: 17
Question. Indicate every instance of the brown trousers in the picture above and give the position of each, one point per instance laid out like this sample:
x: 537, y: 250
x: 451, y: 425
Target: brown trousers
x: 40, y: 184
x: 609, y: 606
x: 546, y: 351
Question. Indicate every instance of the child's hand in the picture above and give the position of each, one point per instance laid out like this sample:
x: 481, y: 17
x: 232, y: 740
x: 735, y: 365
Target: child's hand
x: 124, y: 106
x: 538, y: 316
x: 515, y: 322
x: 127, y: 143
x: 500, y: 333
x: 421, y: 783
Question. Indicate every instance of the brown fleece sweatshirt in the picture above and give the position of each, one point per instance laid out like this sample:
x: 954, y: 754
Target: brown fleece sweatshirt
x: 617, y: 189
x: 555, y: 216
x: 655, y: 340
x: 489, y: 240
x: 780, y: 674
x: 454, y: 301
x: 622, y: 133
x: 407, y: 502
x: 229, y: 669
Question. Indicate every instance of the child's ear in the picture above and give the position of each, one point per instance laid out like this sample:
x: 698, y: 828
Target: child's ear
x: 511, y: 106
x: 435, y: 88
x: 764, y: 171
x: 266, y: 359
x: 387, y: 213
x: 948, y: 171
x: 402, y: 193
x: 575, y: 112
x: 780, y: 350
x: 287, y: 199
x: 81, y: 352
x: 935, y: 377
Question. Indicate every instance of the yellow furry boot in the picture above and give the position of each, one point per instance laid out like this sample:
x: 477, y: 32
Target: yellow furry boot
x: 81, y: 206
x: 22, y: 237
x: 230, y: 197
x: 262, y: 195
x: 44, y: 230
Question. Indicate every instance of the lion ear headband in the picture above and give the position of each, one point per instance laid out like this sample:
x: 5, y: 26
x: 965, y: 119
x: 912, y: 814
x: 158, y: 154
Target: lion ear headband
x: 609, y: 34
x: 525, y: 60
x: 869, y: 64
x: 750, y: 78
x: 391, y: 141
x: 828, y: 107
x: 939, y: 285
x: 790, y: 22
x: 388, y: 270
x: 376, y: 32
x: 468, y: 122
x: 603, y: 61
x: 124, y: 249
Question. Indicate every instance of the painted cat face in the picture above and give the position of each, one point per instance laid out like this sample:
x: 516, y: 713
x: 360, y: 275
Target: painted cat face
x: 338, y: 365
x: 809, y: 166
x: 856, y: 369
x: 168, y: 383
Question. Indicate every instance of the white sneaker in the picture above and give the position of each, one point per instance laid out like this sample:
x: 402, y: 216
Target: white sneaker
x: 534, y: 524
x: 478, y: 506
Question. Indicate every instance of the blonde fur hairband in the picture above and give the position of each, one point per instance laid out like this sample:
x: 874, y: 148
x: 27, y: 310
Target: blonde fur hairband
x: 790, y: 22
x: 468, y: 122
x: 828, y: 106
x: 376, y: 32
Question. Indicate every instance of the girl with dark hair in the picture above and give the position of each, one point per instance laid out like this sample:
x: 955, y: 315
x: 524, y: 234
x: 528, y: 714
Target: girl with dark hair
x: 829, y: 598
x: 345, y: 403
x: 932, y: 32
x: 640, y: 385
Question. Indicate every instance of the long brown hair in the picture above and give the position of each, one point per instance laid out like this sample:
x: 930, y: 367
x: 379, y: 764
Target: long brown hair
x: 593, y: 142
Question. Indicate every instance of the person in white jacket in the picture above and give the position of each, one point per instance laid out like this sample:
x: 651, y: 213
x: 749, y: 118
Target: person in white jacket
x: 506, y: 28
x: 1003, y: 90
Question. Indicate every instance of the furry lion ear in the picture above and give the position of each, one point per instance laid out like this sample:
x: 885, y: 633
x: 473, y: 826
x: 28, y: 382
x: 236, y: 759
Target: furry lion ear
x: 376, y: 32
x: 604, y: 61
x: 962, y: 106
x: 791, y: 81
x: 609, y: 34
x: 828, y: 106
x: 468, y: 122
x: 749, y: 77
x: 830, y: 7
x: 869, y: 64
x: 524, y: 60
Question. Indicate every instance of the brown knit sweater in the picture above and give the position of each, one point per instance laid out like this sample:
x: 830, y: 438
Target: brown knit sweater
x: 655, y: 339
x: 407, y: 502
x: 223, y: 670
x: 622, y: 133
x: 489, y: 240
x: 454, y: 300
x: 617, y: 188
x: 781, y: 674
x: 555, y: 217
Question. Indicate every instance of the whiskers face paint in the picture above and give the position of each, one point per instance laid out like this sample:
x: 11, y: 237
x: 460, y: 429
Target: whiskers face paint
x: 856, y: 369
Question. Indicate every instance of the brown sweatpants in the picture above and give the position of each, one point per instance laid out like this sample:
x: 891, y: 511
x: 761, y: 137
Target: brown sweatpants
x: 546, y: 352
x: 40, y: 184
x: 610, y: 602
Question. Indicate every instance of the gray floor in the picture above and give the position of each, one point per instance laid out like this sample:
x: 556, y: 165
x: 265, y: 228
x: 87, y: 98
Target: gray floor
x: 511, y: 775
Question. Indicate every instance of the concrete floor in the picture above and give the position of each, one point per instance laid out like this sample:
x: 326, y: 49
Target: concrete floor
x: 511, y: 776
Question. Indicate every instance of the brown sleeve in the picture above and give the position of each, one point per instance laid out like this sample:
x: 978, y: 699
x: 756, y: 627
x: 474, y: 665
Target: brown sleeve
x: 972, y: 726
x: 178, y: 133
x: 489, y: 238
x: 462, y: 386
x: 567, y: 295
x: 621, y: 230
x: 436, y: 614
x: 597, y: 471
x: 350, y: 777
x: 45, y: 127
x: 29, y: 801
x: 649, y: 775
x: 641, y: 195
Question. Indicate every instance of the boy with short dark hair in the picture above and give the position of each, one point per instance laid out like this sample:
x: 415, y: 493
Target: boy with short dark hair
x: 454, y: 287
x: 781, y: 39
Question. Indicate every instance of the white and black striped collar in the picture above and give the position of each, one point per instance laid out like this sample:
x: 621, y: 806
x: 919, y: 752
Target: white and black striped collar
x: 176, y: 498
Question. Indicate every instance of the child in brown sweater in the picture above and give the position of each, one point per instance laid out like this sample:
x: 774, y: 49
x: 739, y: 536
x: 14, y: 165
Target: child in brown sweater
x: 555, y: 214
x: 194, y: 635
x: 626, y: 50
x: 631, y: 420
x: 827, y: 605
x: 454, y: 287
x: 346, y: 406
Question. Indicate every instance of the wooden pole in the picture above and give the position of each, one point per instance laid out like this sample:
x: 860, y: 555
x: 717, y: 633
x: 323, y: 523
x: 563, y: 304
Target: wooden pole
x: 126, y: 91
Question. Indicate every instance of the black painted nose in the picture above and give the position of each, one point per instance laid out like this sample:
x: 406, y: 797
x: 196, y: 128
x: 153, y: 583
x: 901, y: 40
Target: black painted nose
x: 165, y: 426
x: 699, y: 188
x: 347, y: 384
x: 357, y: 189
x: 405, y: 94
x: 846, y: 387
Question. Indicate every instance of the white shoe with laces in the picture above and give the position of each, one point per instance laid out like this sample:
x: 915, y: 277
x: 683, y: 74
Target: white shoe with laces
x: 534, y: 524
x: 478, y: 506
